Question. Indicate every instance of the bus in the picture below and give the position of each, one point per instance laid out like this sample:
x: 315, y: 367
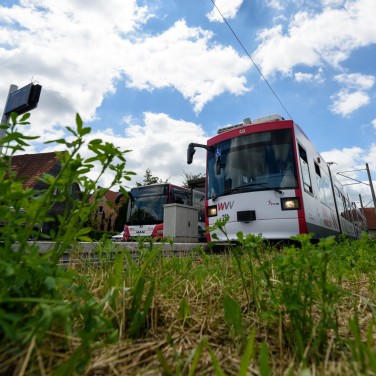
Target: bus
x: 146, y: 209
x: 266, y: 178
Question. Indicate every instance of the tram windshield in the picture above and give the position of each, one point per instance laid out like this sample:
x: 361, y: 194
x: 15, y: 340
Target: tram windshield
x: 254, y: 162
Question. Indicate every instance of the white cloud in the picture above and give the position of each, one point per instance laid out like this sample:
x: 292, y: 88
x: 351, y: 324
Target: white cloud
x: 371, y: 158
x: 351, y: 164
x: 332, y: 3
x: 356, y: 80
x: 158, y: 142
x: 345, y: 159
x: 180, y: 58
x: 309, y: 77
x: 373, y: 122
x: 228, y: 8
x: 60, y: 45
x: 275, y: 4
x: 346, y: 102
x: 303, y: 77
x: 353, y: 95
x: 314, y: 39
x: 79, y: 52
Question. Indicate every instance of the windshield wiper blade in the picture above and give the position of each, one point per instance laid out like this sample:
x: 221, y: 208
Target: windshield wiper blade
x: 246, y: 186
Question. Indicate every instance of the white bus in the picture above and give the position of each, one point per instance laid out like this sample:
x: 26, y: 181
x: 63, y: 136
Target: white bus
x: 145, y: 214
x: 267, y: 178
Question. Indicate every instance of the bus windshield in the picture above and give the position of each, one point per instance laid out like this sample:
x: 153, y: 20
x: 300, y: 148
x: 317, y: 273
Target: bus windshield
x: 254, y: 162
x: 147, y: 205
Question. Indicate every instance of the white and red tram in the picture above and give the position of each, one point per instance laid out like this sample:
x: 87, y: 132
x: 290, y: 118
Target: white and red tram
x: 267, y: 178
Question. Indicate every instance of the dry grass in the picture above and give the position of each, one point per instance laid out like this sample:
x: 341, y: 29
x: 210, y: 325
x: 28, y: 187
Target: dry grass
x: 169, y: 340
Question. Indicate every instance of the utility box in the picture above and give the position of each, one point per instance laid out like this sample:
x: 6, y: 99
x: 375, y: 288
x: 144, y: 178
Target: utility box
x: 181, y: 223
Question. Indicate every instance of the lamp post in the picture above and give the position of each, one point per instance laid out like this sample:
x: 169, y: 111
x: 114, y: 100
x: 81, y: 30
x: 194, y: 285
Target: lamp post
x: 5, y: 118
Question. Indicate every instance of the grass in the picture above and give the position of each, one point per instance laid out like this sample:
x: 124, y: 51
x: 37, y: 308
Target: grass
x: 296, y: 310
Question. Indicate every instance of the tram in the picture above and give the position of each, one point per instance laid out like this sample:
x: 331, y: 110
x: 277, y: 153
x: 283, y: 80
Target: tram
x: 266, y: 177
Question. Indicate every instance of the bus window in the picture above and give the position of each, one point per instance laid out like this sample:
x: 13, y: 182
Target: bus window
x: 180, y: 196
x: 198, y: 199
x: 305, y: 170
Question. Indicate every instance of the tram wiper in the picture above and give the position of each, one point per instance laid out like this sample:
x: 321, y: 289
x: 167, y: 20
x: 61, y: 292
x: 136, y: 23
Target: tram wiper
x: 246, y: 187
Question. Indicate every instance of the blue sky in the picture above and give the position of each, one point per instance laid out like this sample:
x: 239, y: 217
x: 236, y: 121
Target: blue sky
x: 153, y: 76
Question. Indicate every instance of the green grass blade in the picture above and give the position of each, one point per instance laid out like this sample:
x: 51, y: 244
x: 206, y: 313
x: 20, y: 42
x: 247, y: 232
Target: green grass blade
x: 264, y: 360
x: 247, y: 355
x: 196, y: 356
x: 217, y: 368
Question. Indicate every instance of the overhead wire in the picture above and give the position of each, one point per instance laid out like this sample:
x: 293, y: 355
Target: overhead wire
x: 253, y: 62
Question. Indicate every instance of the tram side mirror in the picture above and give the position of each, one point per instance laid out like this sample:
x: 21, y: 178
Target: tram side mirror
x: 190, y: 153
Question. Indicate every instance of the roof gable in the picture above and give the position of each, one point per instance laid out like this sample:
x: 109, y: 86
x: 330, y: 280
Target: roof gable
x: 30, y: 167
x: 111, y: 195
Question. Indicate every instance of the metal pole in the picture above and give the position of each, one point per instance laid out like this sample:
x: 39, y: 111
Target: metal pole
x: 5, y: 118
x: 361, y: 202
x: 371, y: 185
x: 334, y: 196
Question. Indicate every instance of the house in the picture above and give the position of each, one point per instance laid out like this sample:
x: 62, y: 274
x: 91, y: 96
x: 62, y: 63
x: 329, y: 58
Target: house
x: 370, y: 214
x: 30, y: 167
x: 104, y: 218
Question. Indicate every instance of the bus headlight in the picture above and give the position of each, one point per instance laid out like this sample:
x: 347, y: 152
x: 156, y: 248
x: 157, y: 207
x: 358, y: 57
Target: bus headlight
x: 211, y: 211
x: 290, y: 203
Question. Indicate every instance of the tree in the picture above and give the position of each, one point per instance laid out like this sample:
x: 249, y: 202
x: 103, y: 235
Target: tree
x: 150, y: 179
x: 189, y: 176
x: 122, y: 215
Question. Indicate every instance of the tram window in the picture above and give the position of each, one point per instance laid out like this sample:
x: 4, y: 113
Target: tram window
x: 305, y: 170
x: 347, y: 205
x: 319, y: 183
x: 323, y: 186
x: 340, y: 202
x: 317, y: 168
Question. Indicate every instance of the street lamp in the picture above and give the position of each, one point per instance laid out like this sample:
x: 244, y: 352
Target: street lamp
x: 19, y: 101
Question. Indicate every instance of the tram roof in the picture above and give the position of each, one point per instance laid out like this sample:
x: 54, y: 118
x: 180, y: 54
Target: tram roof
x: 247, y: 121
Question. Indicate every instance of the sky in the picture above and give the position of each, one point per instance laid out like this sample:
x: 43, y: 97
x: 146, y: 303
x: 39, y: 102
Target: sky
x: 152, y: 76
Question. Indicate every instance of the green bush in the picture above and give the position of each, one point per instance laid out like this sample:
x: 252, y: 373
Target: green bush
x: 37, y: 295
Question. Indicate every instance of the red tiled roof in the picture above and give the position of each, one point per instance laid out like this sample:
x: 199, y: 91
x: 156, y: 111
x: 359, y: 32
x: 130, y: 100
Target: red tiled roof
x: 29, y: 167
x: 370, y: 215
x: 111, y: 196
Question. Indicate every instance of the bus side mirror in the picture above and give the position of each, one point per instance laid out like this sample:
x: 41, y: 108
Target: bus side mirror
x: 190, y: 152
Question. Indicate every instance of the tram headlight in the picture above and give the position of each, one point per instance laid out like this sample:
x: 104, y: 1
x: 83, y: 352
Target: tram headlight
x: 211, y: 211
x: 290, y: 203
